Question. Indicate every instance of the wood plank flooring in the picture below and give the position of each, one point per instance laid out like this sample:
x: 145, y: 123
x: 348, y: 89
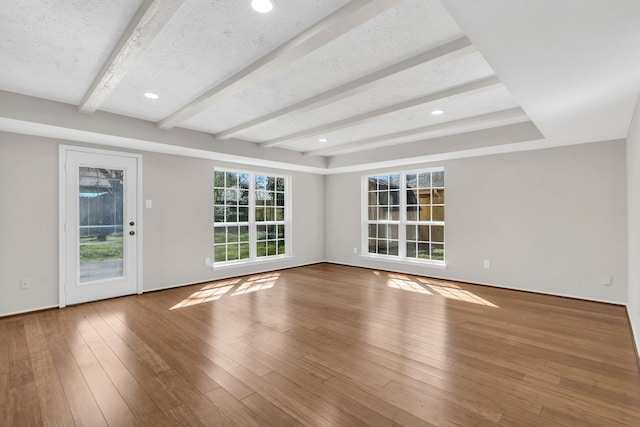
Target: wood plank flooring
x: 322, y: 345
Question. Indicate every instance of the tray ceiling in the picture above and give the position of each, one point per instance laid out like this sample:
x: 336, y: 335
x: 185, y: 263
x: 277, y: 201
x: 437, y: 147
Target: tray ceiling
x: 315, y: 78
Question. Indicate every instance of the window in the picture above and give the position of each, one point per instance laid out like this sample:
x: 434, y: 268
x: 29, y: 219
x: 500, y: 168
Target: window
x: 250, y: 216
x: 405, y: 216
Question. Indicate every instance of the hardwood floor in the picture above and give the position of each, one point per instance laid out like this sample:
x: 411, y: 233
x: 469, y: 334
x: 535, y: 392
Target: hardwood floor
x: 322, y: 345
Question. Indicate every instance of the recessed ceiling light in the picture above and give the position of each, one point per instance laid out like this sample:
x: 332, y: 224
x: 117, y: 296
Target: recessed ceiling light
x: 151, y: 95
x: 437, y: 112
x: 262, y: 6
x: 323, y: 140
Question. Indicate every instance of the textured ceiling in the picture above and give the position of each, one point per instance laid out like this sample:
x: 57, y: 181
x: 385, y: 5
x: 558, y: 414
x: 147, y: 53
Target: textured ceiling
x: 363, y: 74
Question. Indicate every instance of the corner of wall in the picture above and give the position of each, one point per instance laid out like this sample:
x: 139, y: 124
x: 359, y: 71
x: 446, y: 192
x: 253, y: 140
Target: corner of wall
x: 633, y: 224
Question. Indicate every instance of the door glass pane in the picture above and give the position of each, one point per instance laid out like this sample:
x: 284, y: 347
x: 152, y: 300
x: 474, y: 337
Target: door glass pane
x: 101, y: 205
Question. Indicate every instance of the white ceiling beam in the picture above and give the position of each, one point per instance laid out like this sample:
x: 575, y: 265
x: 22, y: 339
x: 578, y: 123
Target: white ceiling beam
x: 435, y: 57
x: 509, y: 116
x: 345, y: 19
x: 461, y: 91
x: 148, y: 21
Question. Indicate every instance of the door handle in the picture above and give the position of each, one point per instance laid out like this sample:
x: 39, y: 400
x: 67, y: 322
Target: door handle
x: 131, y: 233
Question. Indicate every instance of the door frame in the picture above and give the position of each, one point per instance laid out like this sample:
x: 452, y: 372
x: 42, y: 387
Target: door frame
x: 62, y: 215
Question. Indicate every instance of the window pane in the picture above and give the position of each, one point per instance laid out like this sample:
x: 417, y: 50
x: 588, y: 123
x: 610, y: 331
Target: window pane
x: 437, y: 196
x: 437, y: 233
x: 272, y: 249
x: 394, y: 181
x: 424, y: 180
x: 373, y: 214
x: 269, y: 213
x: 232, y: 252
x: 383, y: 213
x: 218, y: 214
x: 279, y: 214
x: 218, y: 196
x: 219, y: 234
x: 244, y: 251
x: 280, y: 199
x: 261, y: 182
x: 281, y: 247
x: 412, y: 180
x: 411, y: 232
x: 424, y: 197
x: 411, y: 250
x: 231, y: 180
x: 438, y: 213
x: 243, y: 198
x: 393, y: 247
x: 243, y: 214
x: 373, y: 198
x: 382, y: 231
x: 383, y: 198
x: 437, y: 252
x: 259, y: 213
x: 243, y: 180
x: 372, y: 246
x: 262, y: 232
x: 280, y: 184
x: 261, y: 249
x: 373, y: 183
x: 218, y: 179
x: 232, y: 214
x: 280, y: 231
x: 412, y: 213
x: 438, y: 179
x: 373, y: 231
x: 394, y: 213
x: 232, y: 234
x: 423, y: 233
x: 231, y: 197
x: 271, y: 183
x: 412, y: 197
x: 271, y: 232
x: 424, y: 213
x: 423, y: 250
x: 244, y: 233
x: 393, y: 231
x: 382, y: 247
x: 219, y: 253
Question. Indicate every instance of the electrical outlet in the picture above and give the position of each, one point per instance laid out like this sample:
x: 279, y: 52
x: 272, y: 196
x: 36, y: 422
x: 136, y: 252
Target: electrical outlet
x: 486, y: 263
x: 607, y: 281
x: 355, y: 250
x: 207, y: 261
x: 24, y: 284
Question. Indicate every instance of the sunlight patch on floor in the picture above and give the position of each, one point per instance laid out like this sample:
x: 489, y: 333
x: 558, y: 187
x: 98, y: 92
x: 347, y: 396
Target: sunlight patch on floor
x: 216, y: 290
x: 404, y: 283
x: 257, y: 283
x: 444, y: 288
x: 204, y: 295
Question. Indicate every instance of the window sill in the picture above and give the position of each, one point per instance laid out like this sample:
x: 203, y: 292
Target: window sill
x: 406, y: 261
x: 235, y: 264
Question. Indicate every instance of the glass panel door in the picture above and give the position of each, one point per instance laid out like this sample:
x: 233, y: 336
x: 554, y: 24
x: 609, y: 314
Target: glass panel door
x: 100, y: 233
x: 100, y: 203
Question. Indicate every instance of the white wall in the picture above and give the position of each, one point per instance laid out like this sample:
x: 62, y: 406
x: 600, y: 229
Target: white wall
x: 177, y: 231
x: 551, y: 221
x: 633, y: 201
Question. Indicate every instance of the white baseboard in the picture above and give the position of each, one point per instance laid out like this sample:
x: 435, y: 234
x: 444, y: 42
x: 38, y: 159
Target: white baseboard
x: 493, y: 285
x: 14, y: 313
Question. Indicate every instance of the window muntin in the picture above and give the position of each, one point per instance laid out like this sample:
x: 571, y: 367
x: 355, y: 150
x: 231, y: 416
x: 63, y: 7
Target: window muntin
x: 409, y: 224
x: 250, y: 216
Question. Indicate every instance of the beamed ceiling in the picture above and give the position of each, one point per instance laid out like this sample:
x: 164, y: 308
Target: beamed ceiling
x: 320, y: 85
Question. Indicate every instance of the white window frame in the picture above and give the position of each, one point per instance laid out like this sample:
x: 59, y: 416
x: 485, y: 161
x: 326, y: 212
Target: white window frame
x: 402, y: 222
x: 253, y: 224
